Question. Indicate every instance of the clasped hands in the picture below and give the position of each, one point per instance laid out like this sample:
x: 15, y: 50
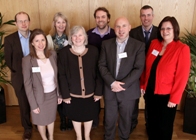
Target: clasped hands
x: 116, y: 86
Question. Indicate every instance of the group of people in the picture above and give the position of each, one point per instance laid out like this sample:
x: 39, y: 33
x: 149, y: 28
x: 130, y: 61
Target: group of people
x: 74, y: 69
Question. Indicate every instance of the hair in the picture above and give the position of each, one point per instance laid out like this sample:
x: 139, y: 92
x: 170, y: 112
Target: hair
x: 175, y: 25
x: 145, y: 7
x: 74, y: 30
x: 53, y: 31
x: 33, y: 53
x: 102, y: 9
x: 21, y: 12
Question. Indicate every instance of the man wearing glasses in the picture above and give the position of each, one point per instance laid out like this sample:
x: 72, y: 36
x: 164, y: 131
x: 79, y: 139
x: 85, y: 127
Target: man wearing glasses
x: 16, y: 47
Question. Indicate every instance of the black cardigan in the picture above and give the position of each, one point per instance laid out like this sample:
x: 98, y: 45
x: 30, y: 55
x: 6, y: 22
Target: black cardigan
x: 78, y: 74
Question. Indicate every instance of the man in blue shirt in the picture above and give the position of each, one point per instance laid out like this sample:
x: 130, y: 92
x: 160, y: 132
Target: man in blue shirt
x: 16, y: 47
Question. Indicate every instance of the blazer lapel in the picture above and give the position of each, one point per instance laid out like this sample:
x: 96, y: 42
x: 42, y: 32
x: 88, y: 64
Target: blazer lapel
x: 113, y: 56
x: 141, y: 35
x: 17, y: 43
x: 123, y: 60
x: 35, y: 64
x: 53, y: 63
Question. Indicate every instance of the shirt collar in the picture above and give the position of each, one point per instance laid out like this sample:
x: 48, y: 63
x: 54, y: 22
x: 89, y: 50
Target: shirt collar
x: 150, y: 30
x: 102, y: 35
x: 21, y: 36
x: 124, y: 42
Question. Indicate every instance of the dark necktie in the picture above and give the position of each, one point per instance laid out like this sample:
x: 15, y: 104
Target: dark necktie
x: 146, y: 36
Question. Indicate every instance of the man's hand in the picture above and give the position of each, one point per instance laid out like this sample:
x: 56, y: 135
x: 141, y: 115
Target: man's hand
x: 117, y: 86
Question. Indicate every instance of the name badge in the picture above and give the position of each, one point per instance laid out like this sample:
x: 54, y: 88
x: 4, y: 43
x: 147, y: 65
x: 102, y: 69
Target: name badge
x: 155, y: 52
x: 122, y: 55
x: 35, y: 69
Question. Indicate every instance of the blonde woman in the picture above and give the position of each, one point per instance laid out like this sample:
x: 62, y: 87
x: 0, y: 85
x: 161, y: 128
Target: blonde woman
x: 57, y: 39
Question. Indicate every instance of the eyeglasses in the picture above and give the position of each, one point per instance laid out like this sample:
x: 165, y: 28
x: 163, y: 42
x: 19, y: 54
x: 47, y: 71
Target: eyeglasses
x: 167, y: 29
x: 23, y: 21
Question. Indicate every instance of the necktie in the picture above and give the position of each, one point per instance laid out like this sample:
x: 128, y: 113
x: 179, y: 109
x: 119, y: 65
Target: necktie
x: 146, y: 36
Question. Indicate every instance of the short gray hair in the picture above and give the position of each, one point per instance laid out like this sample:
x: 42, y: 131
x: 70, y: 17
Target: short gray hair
x: 74, y: 30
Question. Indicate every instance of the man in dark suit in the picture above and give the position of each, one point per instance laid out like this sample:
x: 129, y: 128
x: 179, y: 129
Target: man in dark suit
x: 16, y: 47
x: 145, y: 33
x: 98, y: 34
x: 121, y: 64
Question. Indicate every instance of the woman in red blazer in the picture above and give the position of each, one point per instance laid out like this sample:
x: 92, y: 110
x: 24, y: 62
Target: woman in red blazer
x: 164, y: 78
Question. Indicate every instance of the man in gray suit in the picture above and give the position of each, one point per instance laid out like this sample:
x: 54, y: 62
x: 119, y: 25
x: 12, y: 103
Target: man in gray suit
x: 121, y: 64
x: 145, y: 33
x: 16, y: 47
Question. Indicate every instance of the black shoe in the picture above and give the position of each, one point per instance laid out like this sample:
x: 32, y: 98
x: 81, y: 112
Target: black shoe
x: 27, y: 135
x: 63, y: 126
x: 69, y: 124
x: 132, y: 128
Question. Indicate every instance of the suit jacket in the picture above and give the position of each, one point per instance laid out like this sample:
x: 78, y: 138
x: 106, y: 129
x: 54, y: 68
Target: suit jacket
x: 33, y: 81
x: 130, y: 68
x: 13, y: 59
x: 137, y: 33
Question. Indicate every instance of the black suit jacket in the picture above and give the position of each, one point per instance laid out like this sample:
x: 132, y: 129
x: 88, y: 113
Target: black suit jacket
x: 130, y: 68
x: 137, y: 33
x: 13, y: 58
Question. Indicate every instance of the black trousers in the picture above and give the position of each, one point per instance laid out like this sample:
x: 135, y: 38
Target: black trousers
x: 134, y: 120
x: 61, y: 112
x: 24, y: 109
x: 96, y: 120
x: 160, y: 117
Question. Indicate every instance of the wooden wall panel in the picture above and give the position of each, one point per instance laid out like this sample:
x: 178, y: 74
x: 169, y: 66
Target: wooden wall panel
x: 127, y: 8
x: 77, y: 12
x: 193, y: 30
x: 182, y: 10
x: 9, y: 8
x: 80, y: 12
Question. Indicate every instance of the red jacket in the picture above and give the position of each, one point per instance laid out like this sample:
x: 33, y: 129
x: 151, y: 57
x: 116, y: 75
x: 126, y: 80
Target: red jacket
x: 172, y: 71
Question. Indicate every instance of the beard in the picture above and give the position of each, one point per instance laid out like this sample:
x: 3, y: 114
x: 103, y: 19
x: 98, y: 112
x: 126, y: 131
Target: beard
x: 102, y: 26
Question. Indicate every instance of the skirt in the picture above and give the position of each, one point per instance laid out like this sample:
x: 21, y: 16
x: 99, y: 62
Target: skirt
x: 82, y: 109
x: 48, y: 110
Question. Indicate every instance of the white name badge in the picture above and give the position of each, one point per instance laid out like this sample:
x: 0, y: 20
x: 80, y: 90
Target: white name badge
x: 155, y: 52
x: 35, y: 69
x: 122, y: 55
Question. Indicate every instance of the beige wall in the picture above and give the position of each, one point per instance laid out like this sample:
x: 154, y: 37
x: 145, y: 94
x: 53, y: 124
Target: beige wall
x: 80, y: 12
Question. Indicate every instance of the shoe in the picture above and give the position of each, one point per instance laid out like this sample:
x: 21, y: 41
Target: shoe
x: 132, y: 128
x: 69, y: 124
x: 27, y: 135
x: 94, y: 126
x: 63, y: 126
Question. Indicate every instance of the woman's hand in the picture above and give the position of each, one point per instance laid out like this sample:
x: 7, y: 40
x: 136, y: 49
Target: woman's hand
x: 171, y: 105
x: 67, y: 101
x: 60, y: 100
x: 96, y: 99
x: 36, y: 111
x: 142, y: 91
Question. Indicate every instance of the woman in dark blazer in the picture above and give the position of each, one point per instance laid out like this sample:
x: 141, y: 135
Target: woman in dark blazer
x: 164, y: 78
x: 40, y: 81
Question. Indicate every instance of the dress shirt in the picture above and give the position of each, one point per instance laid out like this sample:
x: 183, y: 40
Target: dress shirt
x: 101, y: 35
x: 24, y: 43
x: 149, y: 31
x: 120, y: 49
